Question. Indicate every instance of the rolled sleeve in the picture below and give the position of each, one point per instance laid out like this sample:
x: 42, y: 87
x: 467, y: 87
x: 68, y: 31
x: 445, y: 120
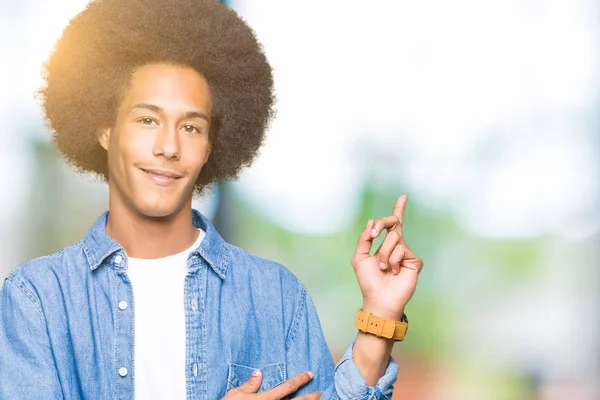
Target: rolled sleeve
x: 350, y: 384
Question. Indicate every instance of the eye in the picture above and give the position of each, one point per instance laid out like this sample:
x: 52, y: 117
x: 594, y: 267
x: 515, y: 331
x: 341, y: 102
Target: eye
x: 147, y: 121
x: 189, y: 128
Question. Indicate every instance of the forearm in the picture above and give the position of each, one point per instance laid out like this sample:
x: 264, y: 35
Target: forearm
x: 349, y: 382
x: 371, y: 354
x: 345, y: 381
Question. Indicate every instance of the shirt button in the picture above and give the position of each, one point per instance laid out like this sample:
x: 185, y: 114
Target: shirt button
x: 195, y: 369
x: 123, y: 371
x: 122, y: 305
x: 118, y: 259
x: 194, y: 305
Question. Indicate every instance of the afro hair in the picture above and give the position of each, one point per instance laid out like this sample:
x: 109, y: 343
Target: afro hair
x: 90, y: 68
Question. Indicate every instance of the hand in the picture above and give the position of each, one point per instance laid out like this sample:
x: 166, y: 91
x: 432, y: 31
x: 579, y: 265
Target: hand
x: 248, y: 390
x: 388, y: 278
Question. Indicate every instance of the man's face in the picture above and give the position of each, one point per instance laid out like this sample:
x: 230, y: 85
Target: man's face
x: 159, y: 142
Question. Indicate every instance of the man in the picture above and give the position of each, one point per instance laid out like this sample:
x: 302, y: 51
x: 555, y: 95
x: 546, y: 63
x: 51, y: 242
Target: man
x: 161, y: 99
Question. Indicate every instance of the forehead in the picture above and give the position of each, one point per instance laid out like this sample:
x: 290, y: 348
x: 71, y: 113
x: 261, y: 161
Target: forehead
x: 171, y: 87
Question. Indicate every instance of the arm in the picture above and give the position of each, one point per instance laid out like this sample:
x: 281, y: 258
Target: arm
x: 307, y: 351
x: 366, y: 370
x: 27, y: 369
x: 387, y: 280
x: 371, y: 356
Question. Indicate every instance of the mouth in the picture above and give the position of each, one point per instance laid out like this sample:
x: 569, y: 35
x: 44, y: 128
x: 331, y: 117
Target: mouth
x: 162, y: 177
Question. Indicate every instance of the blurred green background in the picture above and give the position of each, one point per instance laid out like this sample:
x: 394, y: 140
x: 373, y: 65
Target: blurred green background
x: 485, y: 113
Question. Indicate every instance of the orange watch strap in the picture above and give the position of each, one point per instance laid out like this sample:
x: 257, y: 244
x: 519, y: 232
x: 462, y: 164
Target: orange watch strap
x: 379, y: 326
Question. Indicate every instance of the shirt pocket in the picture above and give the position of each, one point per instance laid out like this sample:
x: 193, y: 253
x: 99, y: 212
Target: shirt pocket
x: 272, y: 375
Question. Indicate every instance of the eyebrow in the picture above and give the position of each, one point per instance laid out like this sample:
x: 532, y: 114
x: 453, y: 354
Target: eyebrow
x: 155, y: 108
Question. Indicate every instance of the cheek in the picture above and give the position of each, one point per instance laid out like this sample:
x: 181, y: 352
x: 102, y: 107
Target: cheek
x: 195, y: 151
x: 131, y: 147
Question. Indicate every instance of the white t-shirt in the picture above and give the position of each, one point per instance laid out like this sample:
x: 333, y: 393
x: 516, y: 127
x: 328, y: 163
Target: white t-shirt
x: 159, y: 319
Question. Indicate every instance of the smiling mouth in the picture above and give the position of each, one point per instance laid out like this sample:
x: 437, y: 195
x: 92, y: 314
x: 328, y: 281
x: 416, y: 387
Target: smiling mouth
x: 162, y: 177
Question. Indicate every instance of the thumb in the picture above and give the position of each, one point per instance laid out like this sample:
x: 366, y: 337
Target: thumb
x: 253, y: 383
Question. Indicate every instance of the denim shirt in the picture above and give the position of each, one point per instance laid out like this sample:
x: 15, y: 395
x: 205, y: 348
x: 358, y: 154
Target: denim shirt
x: 67, y: 326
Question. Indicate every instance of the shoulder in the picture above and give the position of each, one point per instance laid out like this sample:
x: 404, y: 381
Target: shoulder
x: 245, y: 264
x: 265, y: 281
x: 36, y: 274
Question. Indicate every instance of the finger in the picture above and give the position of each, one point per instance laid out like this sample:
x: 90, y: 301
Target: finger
x: 387, y: 247
x: 399, y: 208
x: 310, y: 396
x: 411, y: 261
x: 288, y: 387
x: 389, y: 222
x: 253, y: 383
x: 365, y: 241
x: 396, y: 258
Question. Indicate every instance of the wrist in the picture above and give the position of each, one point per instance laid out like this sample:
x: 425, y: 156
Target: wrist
x: 382, y: 310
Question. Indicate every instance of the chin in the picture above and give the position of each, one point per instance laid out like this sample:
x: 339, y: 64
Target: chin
x: 161, y: 211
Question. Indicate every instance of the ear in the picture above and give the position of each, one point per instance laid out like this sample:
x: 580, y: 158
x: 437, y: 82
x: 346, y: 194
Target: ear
x: 104, y: 137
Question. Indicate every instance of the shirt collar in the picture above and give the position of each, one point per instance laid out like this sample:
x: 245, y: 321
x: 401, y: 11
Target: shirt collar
x: 98, y: 246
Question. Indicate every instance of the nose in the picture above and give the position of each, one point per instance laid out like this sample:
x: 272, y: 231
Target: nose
x: 167, y: 143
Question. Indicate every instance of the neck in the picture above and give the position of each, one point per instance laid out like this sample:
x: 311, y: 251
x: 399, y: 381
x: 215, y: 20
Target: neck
x: 147, y: 237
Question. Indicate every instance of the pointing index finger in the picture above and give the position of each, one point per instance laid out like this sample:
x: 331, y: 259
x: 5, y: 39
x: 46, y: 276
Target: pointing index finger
x: 399, y: 210
x: 288, y: 387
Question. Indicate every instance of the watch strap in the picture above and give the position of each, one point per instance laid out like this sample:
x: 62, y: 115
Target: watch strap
x: 381, y: 327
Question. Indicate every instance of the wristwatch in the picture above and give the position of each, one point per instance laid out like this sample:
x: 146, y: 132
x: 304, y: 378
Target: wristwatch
x: 381, y: 327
